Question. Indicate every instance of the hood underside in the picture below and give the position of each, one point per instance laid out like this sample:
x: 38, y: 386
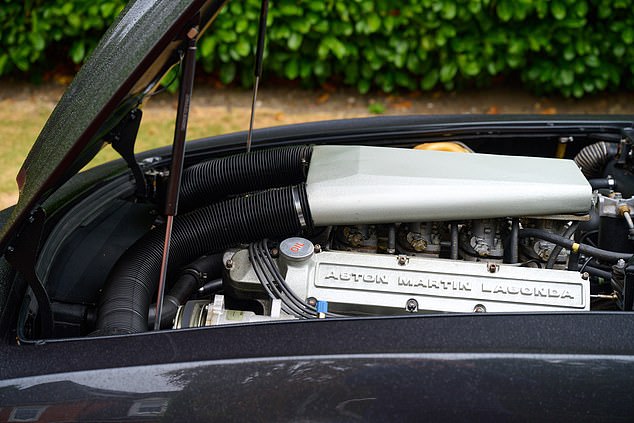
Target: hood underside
x: 125, y: 68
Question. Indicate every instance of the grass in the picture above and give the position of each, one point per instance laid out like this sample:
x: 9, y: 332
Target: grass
x: 21, y: 123
x: 23, y: 116
x: 23, y: 120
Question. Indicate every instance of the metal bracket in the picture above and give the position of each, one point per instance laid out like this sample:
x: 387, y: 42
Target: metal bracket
x: 123, y: 138
x: 22, y: 255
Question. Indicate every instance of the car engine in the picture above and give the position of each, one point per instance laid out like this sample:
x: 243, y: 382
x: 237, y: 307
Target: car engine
x: 333, y: 231
x: 438, y: 262
x: 411, y: 231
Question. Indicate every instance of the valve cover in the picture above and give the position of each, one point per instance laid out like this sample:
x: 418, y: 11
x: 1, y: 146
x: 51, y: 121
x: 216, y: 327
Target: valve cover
x: 359, y: 283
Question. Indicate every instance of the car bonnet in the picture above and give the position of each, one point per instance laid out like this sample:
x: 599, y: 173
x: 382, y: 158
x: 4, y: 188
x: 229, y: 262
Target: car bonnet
x: 122, y: 72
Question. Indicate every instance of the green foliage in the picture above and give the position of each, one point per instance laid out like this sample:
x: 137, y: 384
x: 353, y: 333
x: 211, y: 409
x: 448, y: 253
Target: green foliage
x: 40, y: 33
x: 376, y: 108
x: 572, y: 47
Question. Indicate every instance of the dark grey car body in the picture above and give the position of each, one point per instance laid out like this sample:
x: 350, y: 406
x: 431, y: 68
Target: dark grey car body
x: 540, y: 366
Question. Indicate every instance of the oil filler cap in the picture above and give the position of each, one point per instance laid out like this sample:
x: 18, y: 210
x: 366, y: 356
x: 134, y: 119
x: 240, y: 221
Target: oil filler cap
x: 296, y: 249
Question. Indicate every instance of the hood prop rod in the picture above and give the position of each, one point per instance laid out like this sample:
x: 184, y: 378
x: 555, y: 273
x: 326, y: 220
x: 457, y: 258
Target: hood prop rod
x: 259, y: 54
x: 178, y: 157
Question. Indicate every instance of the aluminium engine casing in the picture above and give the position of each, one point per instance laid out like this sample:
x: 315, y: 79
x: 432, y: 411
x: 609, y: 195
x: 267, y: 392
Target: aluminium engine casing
x: 361, y: 283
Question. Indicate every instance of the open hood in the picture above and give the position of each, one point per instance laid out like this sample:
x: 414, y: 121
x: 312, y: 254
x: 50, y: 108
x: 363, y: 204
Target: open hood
x: 125, y: 68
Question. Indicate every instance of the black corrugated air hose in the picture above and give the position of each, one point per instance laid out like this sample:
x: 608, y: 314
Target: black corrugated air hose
x: 207, y: 182
x: 133, y: 281
x: 192, y: 277
x: 593, y: 158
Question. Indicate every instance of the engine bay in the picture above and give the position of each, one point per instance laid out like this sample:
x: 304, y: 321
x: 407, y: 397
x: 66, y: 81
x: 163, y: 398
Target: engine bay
x: 336, y: 231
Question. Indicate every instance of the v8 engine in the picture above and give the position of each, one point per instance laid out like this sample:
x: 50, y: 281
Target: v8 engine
x: 408, y: 231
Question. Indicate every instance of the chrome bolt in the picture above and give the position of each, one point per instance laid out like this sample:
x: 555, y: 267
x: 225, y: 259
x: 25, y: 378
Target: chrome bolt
x: 479, y: 308
x: 229, y: 264
x: 585, y: 276
x: 492, y: 267
x: 311, y: 301
x: 317, y: 248
x: 402, y: 260
x: 411, y: 306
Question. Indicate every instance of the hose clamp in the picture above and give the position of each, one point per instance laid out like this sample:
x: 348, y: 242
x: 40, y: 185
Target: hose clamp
x: 298, y: 206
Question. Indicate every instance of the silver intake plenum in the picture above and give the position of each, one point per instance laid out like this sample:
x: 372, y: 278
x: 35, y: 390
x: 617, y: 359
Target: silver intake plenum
x: 365, y: 185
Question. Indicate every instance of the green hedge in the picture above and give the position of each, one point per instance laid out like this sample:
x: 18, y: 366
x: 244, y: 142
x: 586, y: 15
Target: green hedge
x: 35, y: 35
x: 573, y: 47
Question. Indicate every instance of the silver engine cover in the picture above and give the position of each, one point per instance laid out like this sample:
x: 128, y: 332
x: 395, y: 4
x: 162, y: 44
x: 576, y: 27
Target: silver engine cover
x: 353, y: 184
x: 360, y: 283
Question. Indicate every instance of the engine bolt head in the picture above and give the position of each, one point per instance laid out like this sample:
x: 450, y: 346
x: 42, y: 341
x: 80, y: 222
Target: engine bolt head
x: 402, y: 261
x: 411, y: 306
x: 229, y: 264
x: 317, y: 248
x: 311, y: 301
x: 585, y: 276
x: 275, y: 252
x: 479, y: 308
x: 492, y: 267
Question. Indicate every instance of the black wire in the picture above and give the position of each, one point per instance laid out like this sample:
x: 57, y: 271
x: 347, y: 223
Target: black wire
x: 280, y: 280
x: 554, y: 253
x: 269, y: 283
x: 259, y: 271
x: 535, y: 261
x: 274, y: 284
x: 602, y: 266
x: 588, y: 260
x: 598, y: 273
x: 588, y: 234
x: 568, y: 243
x: 298, y: 309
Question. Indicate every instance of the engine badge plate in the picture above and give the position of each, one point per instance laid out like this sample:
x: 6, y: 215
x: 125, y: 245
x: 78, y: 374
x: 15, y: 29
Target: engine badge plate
x: 361, y: 283
x: 451, y: 286
x: 444, y: 285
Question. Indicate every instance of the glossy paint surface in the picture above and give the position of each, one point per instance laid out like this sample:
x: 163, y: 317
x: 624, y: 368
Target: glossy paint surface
x: 577, y: 367
x: 341, y: 388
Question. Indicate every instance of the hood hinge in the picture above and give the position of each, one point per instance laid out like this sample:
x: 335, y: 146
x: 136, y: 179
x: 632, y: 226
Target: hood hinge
x: 22, y: 255
x: 123, y: 138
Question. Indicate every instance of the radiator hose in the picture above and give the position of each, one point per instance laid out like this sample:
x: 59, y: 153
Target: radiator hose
x: 133, y: 281
x: 191, y: 277
x: 210, y: 181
